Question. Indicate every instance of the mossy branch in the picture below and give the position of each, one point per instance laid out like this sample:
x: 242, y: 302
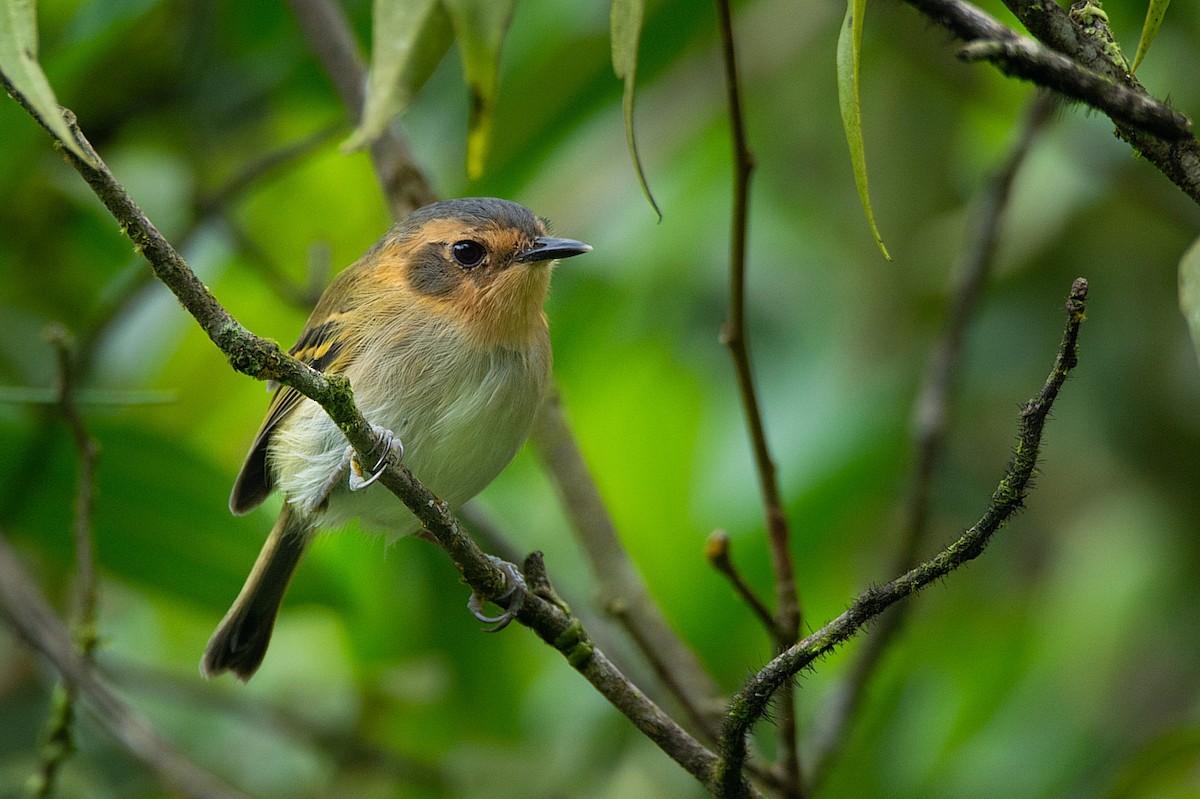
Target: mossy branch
x: 265, y: 360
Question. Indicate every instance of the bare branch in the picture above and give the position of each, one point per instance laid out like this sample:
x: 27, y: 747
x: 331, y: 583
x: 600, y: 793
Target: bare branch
x: 748, y: 706
x: 1024, y: 58
x: 716, y: 552
x: 788, y: 613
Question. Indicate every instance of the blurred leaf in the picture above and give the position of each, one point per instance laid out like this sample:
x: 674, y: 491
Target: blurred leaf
x: 1189, y: 291
x: 479, y: 27
x: 848, y: 50
x: 1155, y: 12
x: 626, y: 24
x: 1165, y: 766
x: 409, y: 40
x: 160, y: 516
x: 18, y: 62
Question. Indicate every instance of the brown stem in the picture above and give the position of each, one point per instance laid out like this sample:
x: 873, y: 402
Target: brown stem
x: 733, y: 335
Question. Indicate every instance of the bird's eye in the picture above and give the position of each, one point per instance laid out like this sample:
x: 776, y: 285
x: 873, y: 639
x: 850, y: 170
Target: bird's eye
x: 468, y: 253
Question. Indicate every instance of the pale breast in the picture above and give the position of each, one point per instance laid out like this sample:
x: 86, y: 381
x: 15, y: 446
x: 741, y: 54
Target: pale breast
x: 461, y: 416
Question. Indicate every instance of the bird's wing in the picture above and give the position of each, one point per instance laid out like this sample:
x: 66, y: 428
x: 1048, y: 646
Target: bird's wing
x: 322, y: 346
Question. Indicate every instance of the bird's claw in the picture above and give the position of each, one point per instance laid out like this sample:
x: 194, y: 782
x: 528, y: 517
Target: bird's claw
x: 385, y: 439
x: 513, y: 598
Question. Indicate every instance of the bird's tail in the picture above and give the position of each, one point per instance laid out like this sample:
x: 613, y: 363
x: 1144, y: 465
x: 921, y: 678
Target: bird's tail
x: 241, y: 639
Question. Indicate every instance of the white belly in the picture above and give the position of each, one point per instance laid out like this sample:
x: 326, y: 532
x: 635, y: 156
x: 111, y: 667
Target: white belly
x: 461, y: 422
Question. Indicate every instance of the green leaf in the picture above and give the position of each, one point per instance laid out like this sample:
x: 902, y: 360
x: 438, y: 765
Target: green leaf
x: 480, y: 27
x: 18, y: 62
x: 626, y: 25
x: 848, y: 47
x: 409, y: 40
x: 1189, y: 291
x: 1155, y: 12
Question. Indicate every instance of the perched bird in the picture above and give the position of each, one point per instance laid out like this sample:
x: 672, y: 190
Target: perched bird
x: 440, y: 330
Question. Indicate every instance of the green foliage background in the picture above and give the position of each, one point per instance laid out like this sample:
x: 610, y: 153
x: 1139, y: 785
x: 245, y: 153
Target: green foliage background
x: 1062, y: 663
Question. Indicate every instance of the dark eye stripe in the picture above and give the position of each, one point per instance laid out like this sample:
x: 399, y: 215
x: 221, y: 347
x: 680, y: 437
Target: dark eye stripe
x: 430, y: 274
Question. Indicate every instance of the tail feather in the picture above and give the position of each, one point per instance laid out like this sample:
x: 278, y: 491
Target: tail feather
x: 240, y: 641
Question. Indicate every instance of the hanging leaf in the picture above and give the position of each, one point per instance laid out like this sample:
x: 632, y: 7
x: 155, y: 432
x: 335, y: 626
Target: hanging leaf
x: 626, y: 25
x: 1155, y: 12
x: 479, y: 27
x: 1189, y: 291
x: 848, y: 46
x: 18, y: 62
x: 409, y: 40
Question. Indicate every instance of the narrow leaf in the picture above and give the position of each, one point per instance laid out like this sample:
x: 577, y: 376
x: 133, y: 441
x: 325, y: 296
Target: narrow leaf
x: 1189, y: 291
x: 18, y: 62
x: 626, y: 25
x: 848, y: 46
x: 480, y: 27
x: 409, y: 40
x: 1155, y: 12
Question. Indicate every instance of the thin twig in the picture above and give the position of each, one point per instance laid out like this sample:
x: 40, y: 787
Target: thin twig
x: 788, y: 614
x: 34, y: 621
x: 931, y: 418
x: 1155, y: 130
x: 58, y: 740
x: 748, y: 706
x: 717, y: 552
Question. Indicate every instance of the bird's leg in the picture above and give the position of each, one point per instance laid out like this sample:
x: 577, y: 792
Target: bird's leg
x: 512, y: 599
x: 385, y: 440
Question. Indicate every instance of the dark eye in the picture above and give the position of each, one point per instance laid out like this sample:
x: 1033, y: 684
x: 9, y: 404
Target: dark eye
x: 468, y: 253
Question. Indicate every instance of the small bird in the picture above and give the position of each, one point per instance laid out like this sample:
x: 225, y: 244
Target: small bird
x: 440, y: 330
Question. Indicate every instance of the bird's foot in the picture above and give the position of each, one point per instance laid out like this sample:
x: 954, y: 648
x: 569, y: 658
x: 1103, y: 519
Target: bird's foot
x: 512, y: 600
x: 386, y: 442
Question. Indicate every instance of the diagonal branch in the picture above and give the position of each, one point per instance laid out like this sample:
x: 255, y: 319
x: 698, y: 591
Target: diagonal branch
x: 931, y: 418
x: 1091, y: 73
x: 751, y: 702
x: 265, y: 360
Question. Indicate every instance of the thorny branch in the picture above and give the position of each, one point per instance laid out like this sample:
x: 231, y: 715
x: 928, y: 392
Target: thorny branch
x: 931, y: 416
x: 749, y: 704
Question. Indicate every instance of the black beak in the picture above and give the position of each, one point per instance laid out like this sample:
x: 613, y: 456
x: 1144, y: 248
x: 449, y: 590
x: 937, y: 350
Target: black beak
x: 546, y: 248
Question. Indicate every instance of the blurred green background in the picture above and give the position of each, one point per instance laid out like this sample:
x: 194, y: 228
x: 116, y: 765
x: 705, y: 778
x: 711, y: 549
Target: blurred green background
x: 1063, y: 663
